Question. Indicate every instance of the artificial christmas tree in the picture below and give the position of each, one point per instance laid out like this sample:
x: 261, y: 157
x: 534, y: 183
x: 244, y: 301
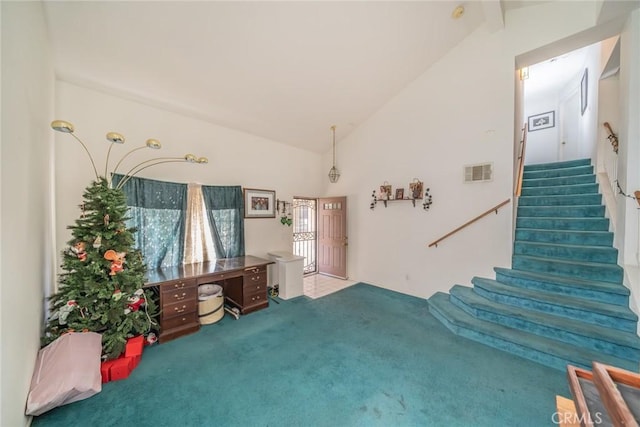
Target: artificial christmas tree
x: 101, y: 288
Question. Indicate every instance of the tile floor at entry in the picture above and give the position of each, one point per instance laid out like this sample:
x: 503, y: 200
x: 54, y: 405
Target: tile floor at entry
x: 318, y: 285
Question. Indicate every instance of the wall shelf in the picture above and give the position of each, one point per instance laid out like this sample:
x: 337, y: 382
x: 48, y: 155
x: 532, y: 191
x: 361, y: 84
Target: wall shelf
x: 427, y: 201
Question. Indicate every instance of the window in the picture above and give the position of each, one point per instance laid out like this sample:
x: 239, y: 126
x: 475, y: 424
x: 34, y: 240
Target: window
x: 176, y: 223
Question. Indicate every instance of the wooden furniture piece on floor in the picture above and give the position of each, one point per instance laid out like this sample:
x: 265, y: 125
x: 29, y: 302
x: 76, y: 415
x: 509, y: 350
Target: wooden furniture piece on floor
x: 243, y: 280
x: 605, y: 396
x: 565, y: 415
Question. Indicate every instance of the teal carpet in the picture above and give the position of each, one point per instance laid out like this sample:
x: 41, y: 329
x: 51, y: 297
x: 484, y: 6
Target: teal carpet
x: 363, y: 356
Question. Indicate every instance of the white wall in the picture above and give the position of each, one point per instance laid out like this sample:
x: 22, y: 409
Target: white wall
x: 235, y: 158
x: 26, y: 230
x: 629, y: 137
x: 542, y: 144
x: 589, y: 120
x: 458, y: 112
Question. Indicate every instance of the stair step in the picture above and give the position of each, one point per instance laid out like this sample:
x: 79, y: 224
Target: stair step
x: 578, y: 224
x: 597, y: 313
x: 563, y: 180
x: 524, y: 344
x: 561, y: 211
x: 558, y: 165
x: 555, y: 173
x: 561, y: 200
x: 558, y: 190
x: 605, y: 292
x: 625, y: 345
x: 602, y: 254
x: 585, y: 270
x: 565, y: 237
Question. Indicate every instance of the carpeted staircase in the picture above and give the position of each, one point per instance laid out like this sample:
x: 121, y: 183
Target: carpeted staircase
x: 563, y: 301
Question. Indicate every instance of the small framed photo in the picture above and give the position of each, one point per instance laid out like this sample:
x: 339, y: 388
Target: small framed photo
x: 416, y: 188
x: 542, y: 121
x: 259, y: 203
x: 385, y: 192
x: 399, y: 193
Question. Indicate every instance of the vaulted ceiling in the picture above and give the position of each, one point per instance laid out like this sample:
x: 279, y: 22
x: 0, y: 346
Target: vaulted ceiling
x: 286, y: 71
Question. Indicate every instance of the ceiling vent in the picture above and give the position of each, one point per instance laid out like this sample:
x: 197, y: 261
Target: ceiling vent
x: 478, y: 173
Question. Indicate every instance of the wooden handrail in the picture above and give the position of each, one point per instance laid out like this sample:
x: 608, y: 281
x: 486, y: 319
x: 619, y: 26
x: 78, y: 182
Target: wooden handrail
x: 612, y: 137
x: 523, y: 146
x: 495, y: 208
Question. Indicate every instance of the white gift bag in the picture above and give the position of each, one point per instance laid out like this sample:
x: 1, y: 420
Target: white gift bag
x: 67, y: 370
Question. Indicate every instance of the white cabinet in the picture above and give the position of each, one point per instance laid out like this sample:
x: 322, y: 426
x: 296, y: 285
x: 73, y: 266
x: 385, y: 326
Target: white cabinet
x: 287, y: 274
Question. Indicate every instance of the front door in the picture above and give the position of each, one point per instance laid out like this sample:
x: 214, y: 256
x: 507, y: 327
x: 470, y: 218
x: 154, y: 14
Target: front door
x: 332, y: 236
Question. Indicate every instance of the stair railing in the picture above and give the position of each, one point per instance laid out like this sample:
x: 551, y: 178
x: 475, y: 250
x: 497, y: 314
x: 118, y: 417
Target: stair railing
x: 612, y: 137
x: 466, y: 224
x: 523, y: 146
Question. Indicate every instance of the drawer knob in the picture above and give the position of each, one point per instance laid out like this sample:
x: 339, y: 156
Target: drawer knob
x: 180, y: 297
x: 179, y: 285
x: 180, y: 310
x: 255, y: 278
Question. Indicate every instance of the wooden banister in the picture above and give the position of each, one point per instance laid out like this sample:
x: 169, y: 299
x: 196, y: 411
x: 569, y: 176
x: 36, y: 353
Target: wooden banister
x: 495, y: 208
x: 612, y: 137
x: 523, y: 146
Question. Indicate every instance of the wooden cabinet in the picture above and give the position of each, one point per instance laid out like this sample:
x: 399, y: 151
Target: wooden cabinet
x: 247, y: 292
x: 244, y: 283
x: 254, y: 289
x: 178, y: 308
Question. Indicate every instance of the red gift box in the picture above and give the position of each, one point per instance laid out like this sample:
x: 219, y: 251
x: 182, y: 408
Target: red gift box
x: 134, y: 346
x: 105, y: 367
x: 120, y: 369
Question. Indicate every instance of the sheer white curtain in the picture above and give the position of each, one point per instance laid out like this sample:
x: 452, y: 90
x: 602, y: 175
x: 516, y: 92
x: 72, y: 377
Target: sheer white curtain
x: 198, y: 245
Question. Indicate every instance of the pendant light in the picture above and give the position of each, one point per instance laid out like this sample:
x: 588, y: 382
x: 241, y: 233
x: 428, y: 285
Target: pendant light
x: 334, y: 174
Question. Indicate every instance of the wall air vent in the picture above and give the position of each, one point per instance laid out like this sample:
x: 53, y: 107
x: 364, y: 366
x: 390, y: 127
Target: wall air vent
x: 478, y: 173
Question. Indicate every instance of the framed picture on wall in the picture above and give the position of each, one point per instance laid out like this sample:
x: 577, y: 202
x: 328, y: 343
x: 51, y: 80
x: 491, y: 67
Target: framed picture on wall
x: 542, y: 121
x: 259, y: 203
x: 584, y: 93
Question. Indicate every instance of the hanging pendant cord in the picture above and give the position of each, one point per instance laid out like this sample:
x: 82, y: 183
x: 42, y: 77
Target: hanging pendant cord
x: 333, y: 128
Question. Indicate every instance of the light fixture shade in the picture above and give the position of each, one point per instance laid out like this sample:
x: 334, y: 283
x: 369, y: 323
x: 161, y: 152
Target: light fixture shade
x: 334, y: 175
x: 153, y: 144
x: 115, y: 138
x: 62, y: 126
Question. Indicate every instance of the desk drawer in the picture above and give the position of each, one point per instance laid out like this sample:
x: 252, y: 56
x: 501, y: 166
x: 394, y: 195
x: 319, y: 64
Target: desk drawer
x: 178, y: 285
x: 177, y: 309
x: 179, y: 321
x: 253, y: 299
x: 255, y: 270
x: 251, y: 280
x: 181, y: 294
x: 256, y: 287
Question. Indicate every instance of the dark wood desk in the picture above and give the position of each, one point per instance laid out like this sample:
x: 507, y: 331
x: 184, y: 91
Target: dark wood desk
x: 243, y: 280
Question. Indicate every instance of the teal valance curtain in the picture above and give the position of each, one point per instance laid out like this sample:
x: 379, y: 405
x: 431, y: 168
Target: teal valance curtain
x: 157, y: 210
x: 225, y: 210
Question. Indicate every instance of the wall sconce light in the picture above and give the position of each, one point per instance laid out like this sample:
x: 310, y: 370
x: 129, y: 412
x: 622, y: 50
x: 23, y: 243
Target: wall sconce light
x: 334, y: 174
x: 116, y: 138
x: 524, y: 73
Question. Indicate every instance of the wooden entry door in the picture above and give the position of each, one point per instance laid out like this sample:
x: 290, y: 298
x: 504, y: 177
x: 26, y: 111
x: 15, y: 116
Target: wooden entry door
x: 332, y: 236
